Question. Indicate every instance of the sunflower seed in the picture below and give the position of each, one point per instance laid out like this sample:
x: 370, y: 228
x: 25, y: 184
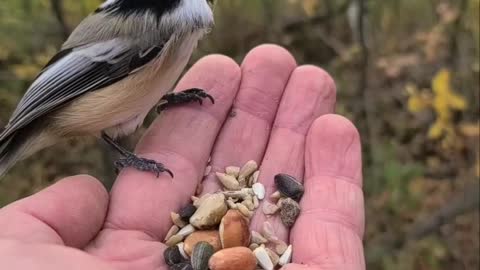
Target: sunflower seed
x: 257, y: 238
x: 228, y: 181
x: 200, y: 256
x: 286, y: 257
x: 173, y: 230
x: 273, y: 256
x: 233, y: 171
x: 177, y: 220
x: 182, y: 266
x: 172, y: 241
x: 263, y: 259
x: 187, y: 212
x: 172, y: 255
x: 288, y: 186
x: 186, y: 231
x: 181, y: 248
x: 248, y: 169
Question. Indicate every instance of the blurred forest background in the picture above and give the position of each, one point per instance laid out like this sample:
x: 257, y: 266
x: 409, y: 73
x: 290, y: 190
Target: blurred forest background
x: 407, y: 74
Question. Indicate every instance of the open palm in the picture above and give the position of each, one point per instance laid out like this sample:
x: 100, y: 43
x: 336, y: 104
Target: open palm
x: 268, y: 110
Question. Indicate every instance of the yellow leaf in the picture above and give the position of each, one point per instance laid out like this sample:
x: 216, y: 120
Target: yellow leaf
x: 441, y: 86
x: 436, y: 130
x: 441, y: 82
x: 417, y: 101
x: 458, y: 102
x: 417, y: 104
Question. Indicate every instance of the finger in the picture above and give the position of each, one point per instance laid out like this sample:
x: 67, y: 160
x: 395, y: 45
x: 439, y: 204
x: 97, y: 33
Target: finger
x: 182, y: 139
x: 70, y: 212
x: 21, y: 255
x: 330, y: 228
x: 265, y: 73
x: 309, y: 94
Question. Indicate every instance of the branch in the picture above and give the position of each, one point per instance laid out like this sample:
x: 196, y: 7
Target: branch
x: 57, y: 8
x: 457, y: 27
x: 463, y: 203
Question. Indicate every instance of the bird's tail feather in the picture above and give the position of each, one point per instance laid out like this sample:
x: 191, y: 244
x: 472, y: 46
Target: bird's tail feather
x: 19, y: 146
x: 8, y: 155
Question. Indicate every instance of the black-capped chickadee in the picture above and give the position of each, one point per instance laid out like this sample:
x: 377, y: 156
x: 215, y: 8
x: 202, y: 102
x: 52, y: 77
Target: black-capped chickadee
x: 113, y: 69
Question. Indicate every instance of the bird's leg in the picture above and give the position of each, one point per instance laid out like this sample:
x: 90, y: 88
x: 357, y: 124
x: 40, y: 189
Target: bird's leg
x: 131, y: 160
x: 187, y: 96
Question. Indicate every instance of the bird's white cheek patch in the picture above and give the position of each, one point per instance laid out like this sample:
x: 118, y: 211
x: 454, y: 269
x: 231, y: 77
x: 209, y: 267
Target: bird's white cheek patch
x: 107, y: 3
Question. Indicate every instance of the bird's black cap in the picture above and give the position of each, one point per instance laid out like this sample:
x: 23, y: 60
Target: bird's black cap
x: 127, y: 7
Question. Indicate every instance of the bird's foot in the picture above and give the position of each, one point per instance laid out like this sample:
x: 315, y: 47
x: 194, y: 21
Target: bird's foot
x: 142, y: 164
x: 187, y: 96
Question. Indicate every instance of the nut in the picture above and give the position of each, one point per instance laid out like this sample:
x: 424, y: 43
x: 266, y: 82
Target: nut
x: 198, y: 201
x: 289, y: 212
x: 234, y: 230
x: 288, y: 186
x: 237, y: 258
x: 211, y: 237
x: 210, y: 212
x: 201, y: 255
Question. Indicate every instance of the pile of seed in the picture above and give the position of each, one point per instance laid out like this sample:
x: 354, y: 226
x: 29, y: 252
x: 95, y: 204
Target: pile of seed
x: 213, y: 231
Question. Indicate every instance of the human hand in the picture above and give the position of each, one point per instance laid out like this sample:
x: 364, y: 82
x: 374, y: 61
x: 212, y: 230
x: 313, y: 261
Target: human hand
x: 281, y: 118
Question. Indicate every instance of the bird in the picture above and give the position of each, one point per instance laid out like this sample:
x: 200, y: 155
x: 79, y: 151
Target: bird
x: 120, y: 62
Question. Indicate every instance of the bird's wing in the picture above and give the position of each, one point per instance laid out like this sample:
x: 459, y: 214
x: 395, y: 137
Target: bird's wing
x: 75, y: 72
